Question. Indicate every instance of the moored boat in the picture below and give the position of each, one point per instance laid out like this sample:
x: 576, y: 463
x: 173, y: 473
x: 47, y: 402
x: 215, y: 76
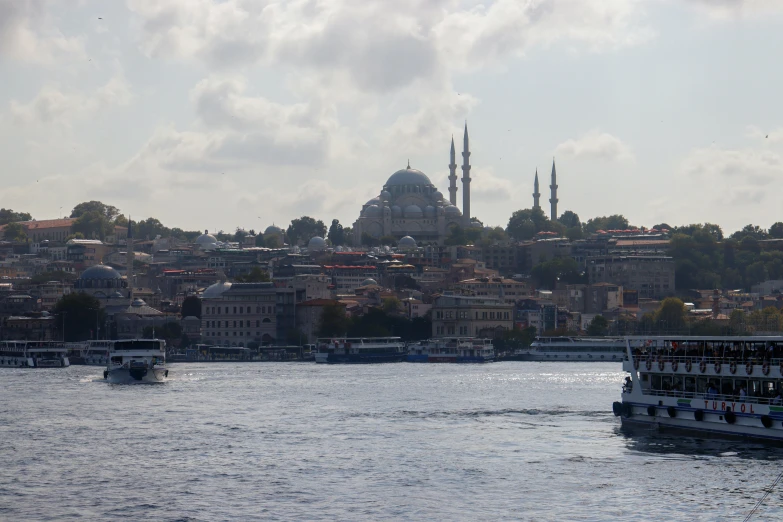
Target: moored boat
x: 725, y: 386
x: 33, y: 354
x: 360, y: 350
x: 137, y: 360
x: 452, y: 349
x: 569, y: 349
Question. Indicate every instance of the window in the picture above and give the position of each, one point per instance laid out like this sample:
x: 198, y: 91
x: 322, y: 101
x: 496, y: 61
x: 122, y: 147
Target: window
x: 258, y: 323
x: 240, y: 309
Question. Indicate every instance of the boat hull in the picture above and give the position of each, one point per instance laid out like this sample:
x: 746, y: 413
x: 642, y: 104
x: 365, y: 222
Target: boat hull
x: 569, y: 357
x: 136, y: 375
x: 353, y: 358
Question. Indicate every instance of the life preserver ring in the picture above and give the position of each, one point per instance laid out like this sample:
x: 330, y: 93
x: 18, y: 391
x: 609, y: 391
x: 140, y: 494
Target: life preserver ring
x: 661, y: 363
x: 749, y: 368
x: 702, y: 366
x: 717, y: 367
x: 765, y: 368
x: 675, y: 365
x: 648, y: 363
x: 733, y: 367
x: 688, y: 365
x: 635, y: 362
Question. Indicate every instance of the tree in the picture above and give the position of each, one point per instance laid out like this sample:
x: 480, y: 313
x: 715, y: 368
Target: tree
x: 168, y: 331
x: 564, y: 269
x: 670, y: 316
x: 392, y: 305
x: 370, y: 241
x: 9, y: 216
x: 15, y: 232
x: 526, y: 223
x: 149, y: 229
x: 78, y: 314
x: 613, y: 222
x: 191, y: 307
x: 461, y: 236
x: 256, y: 275
x: 239, y: 235
x: 753, y: 231
x: 336, y: 234
x: 92, y: 224
x: 107, y: 211
x: 497, y: 234
x: 599, y: 326
x: 304, y: 228
x: 775, y: 231
x: 388, y: 240
x: 570, y: 219
x: 334, y: 322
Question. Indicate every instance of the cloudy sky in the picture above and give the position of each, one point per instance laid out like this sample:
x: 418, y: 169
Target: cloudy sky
x: 213, y: 114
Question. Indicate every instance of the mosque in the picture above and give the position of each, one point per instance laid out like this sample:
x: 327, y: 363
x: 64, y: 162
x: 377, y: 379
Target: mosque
x: 410, y: 206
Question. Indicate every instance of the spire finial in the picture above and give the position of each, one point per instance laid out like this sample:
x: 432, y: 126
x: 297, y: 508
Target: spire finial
x: 409, y: 163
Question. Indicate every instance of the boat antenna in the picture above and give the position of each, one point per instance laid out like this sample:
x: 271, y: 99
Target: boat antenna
x: 766, y: 494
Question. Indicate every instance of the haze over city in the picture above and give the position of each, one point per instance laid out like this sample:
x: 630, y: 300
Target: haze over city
x: 217, y: 115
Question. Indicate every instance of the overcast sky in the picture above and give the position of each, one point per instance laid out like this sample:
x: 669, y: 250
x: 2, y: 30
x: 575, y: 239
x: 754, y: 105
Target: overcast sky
x: 213, y: 114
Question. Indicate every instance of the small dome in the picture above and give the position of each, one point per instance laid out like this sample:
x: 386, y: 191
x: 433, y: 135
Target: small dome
x: 138, y: 302
x: 272, y: 229
x: 429, y: 211
x: 116, y: 295
x: 316, y: 243
x: 338, y: 249
x: 372, y: 211
x: 100, y: 272
x: 438, y: 195
x: 408, y: 176
x: 374, y: 201
x: 206, y: 238
x: 412, y: 211
x: 396, y: 211
x: 386, y: 195
x: 215, y: 290
x: 406, y: 242
x: 368, y: 282
x: 451, y: 210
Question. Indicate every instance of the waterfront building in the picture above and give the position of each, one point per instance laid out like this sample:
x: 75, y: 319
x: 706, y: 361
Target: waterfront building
x: 237, y: 314
x: 470, y: 316
x: 651, y: 276
x: 506, y: 290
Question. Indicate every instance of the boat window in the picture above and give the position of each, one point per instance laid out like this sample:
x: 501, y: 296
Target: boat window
x: 690, y: 384
x: 702, y: 384
x: 656, y: 382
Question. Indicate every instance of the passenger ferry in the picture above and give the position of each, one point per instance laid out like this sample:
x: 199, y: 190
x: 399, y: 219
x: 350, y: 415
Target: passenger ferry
x: 360, y: 350
x: 33, y: 354
x: 96, y: 353
x: 596, y: 349
x: 727, y: 386
x: 452, y: 349
x: 137, y: 360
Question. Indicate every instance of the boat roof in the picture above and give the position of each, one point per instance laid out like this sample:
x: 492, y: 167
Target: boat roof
x: 723, y: 338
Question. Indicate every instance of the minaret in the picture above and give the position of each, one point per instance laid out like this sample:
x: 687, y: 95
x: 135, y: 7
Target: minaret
x: 129, y: 260
x: 466, y: 179
x: 553, y: 187
x: 453, y: 175
x: 536, y: 193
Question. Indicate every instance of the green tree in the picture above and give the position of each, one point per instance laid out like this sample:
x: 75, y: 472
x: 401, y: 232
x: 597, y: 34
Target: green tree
x: 191, y: 307
x: 570, y: 219
x: 256, y: 275
x: 149, y: 229
x: 775, y: 231
x: 9, y: 216
x: 388, y: 240
x: 92, y: 224
x: 526, y: 223
x: 334, y: 321
x: 370, y: 241
x: 336, y: 234
x: 78, y: 314
x: 599, y: 326
x: 753, y: 231
x: 108, y: 211
x: 613, y: 222
x: 391, y: 305
x: 239, y: 235
x: 15, y: 232
x: 670, y: 316
x: 564, y: 269
x: 304, y: 228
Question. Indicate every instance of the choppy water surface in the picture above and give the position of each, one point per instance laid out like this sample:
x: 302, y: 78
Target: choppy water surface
x: 280, y: 441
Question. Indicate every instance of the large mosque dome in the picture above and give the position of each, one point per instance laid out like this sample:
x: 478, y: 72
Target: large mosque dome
x: 408, y: 176
x: 206, y: 239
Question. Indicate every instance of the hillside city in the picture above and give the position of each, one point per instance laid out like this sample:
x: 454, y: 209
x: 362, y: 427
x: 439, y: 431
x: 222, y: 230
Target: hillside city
x: 69, y: 279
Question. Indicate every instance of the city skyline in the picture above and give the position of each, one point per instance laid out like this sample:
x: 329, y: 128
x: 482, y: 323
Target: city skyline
x: 222, y: 114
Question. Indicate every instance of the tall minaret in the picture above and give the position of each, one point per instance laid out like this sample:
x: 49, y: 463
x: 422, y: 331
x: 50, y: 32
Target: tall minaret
x: 553, y: 188
x: 129, y: 260
x: 453, y: 175
x: 536, y: 193
x: 466, y: 179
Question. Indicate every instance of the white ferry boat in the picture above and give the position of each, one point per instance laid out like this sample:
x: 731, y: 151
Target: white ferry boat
x: 33, y: 354
x: 360, y: 350
x: 727, y: 386
x: 452, y: 349
x: 96, y: 353
x: 137, y: 360
x: 597, y: 349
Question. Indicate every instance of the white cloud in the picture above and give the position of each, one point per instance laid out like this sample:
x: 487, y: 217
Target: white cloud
x: 742, y: 168
x: 52, y: 105
x: 734, y: 9
x: 28, y: 33
x: 596, y: 145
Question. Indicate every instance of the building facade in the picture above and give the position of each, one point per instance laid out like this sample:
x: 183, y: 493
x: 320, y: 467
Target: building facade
x: 470, y: 316
x: 651, y: 276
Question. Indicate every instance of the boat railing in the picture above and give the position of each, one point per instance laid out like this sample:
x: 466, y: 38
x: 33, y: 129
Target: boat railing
x: 711, y: 397
x: 697, y: 359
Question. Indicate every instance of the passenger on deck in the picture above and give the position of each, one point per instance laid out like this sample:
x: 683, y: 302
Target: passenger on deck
x: 778, y: 400
x: 628, y: 386
x: 711, y: 392
x: 742, y: 394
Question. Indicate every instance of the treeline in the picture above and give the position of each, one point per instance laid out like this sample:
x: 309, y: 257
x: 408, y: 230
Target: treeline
x: 377, y: 322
